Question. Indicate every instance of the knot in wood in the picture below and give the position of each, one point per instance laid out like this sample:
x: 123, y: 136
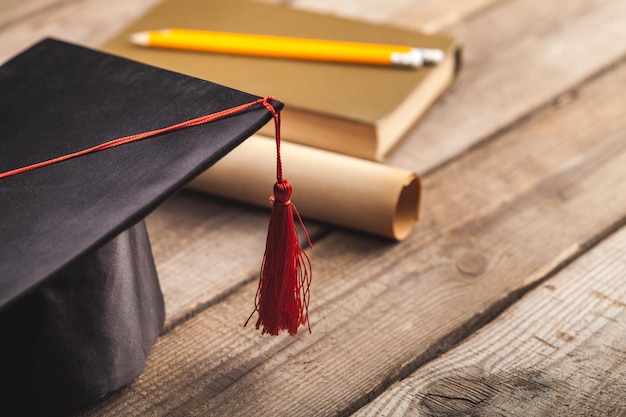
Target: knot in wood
x: 471, y: 263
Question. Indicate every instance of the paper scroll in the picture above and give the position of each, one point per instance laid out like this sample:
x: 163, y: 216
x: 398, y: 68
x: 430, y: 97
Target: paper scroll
x: 338, y: 189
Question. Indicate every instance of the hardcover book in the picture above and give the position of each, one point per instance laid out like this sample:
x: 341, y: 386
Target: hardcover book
x: 358, y: 110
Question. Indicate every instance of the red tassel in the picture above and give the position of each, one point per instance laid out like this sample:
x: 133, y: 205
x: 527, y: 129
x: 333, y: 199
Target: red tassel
x: 282, y: 299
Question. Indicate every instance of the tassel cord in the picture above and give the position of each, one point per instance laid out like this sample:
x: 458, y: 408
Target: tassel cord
x: 133, y: 138
x: 283, y: 294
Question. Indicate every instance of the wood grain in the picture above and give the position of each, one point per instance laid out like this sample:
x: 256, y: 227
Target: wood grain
x: 513, y: 216
x: 14, y: 12
x: 560, y: 351
x: 427, y: 15
x: 86, y: 22
x: 518, y: 56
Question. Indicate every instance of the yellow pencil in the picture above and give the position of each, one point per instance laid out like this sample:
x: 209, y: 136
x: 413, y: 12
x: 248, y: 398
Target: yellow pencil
x: 292, y: 48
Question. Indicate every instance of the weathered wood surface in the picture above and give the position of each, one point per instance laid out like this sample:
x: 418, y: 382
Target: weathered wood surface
x: 498, y: 221
x: 86, y: 22
x: 523, y: 163
x: 560, y: 351
x: 428, y: 15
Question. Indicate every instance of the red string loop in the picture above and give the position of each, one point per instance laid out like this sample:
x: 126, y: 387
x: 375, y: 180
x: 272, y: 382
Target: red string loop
x: 133, y: 138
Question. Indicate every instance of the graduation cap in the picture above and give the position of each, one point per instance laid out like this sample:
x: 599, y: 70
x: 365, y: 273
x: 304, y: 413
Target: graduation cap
x: 80, y: 302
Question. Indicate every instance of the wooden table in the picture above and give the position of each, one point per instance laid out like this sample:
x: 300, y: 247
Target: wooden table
x: 509, y: 298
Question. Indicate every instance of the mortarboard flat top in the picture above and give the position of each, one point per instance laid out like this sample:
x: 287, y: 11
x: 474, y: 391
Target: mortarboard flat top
x: 59, y: 98
x: 80, y: 304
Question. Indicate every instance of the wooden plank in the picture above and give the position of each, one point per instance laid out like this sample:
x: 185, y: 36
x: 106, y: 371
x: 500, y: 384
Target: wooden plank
x: 428, y: 15
x: 510, y: 215
x: 560, y: 351
x: 16, y: 11
x: 86, y: 22
x: 438, y: 15
x: 519, y: 55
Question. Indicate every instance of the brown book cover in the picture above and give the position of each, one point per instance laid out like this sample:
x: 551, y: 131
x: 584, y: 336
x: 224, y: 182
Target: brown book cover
x: 357, y: 110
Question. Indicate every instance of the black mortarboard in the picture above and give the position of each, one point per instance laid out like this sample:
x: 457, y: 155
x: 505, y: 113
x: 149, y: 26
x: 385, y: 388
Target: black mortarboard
x: 80, y: 304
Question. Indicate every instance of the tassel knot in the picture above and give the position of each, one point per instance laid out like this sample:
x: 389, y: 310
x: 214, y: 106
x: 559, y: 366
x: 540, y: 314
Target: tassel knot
x: 282, y: 192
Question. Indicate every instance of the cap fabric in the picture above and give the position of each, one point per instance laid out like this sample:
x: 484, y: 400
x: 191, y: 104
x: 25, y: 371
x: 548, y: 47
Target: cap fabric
x: 80, y: 304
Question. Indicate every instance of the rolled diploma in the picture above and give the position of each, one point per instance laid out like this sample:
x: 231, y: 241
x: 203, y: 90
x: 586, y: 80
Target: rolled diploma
x: 330, y: 187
